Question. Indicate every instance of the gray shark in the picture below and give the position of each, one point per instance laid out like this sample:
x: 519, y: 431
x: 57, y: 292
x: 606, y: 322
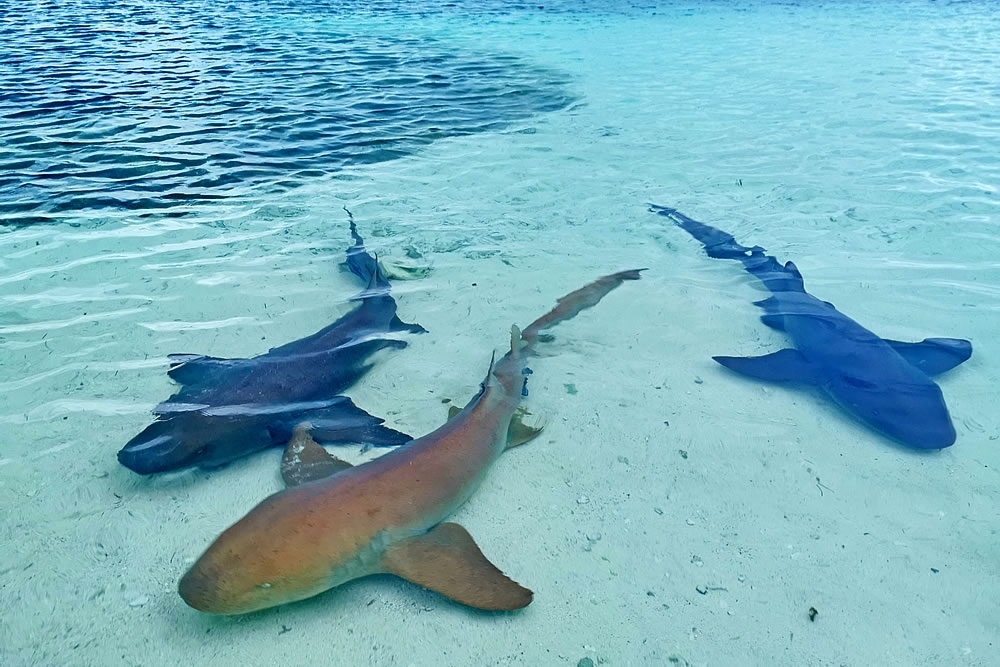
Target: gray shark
x: 229, y: 408
x: 885, y: 383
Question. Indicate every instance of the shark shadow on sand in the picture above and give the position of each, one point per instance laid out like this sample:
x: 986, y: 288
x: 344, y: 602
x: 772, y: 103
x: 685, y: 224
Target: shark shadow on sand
x: 229, y: 408
x: 885, y: 383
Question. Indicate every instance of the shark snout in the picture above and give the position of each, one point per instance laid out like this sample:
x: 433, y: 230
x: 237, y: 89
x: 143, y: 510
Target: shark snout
x: 199, y: 591
x: 926, y: 433
x: 156, y: 449
x: 916, y: 419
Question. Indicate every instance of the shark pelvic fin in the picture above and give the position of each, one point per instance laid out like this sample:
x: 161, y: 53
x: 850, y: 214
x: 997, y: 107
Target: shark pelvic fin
x: 786, y: 365
x: 774, y: 321
x: 448, y: 561
x: 934, y: 355
x: 519, y: 433
x: 305, y: 460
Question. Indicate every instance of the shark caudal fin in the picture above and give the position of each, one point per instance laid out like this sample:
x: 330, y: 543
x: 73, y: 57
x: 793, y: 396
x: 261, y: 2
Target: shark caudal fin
x: 718, y: 244
x: 721, y: 245
x: 360, y: 262
x: 575, y: 302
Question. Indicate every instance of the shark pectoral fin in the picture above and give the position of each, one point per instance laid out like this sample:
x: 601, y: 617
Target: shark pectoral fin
x: 305, y: 460
x: 786, y: 365
x: 934, y: 355
x: 776, y: 322
x: 192, y: 368
x: 519, y: 433
x: 448, y: 561
x: 396, y: 324
x: 345, y: 422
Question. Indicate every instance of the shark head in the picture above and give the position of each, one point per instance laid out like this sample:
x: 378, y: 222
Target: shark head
x: 223, y: 588
x: 269, y: 557
x: 160, y: 447
x: 181, y: 439
x: 912, y: 412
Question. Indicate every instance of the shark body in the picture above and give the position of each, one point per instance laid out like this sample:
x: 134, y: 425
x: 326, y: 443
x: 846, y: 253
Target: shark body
x: 884, y: 383
x: 230, y: 408
x: 335, y: 522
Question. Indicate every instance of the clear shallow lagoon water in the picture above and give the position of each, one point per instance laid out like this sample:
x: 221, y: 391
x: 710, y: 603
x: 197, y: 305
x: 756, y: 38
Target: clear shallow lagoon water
x: 167, y: 188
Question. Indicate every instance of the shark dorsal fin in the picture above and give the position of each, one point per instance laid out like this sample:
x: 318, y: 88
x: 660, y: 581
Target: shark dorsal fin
x: 305, y: 460
x: 794, y: 270
x: 489, y: 376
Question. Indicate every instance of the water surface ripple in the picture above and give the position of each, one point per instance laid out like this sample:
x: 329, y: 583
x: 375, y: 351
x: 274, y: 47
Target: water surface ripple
x: 150, y: 105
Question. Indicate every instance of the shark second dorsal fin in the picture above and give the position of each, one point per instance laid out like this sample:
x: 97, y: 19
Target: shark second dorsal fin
x: 305, y: 460
x: 448, y: 561
x: 517, y: 342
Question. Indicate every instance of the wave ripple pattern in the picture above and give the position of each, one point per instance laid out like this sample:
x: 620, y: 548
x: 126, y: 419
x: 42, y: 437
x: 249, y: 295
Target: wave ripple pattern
x: 150, y: 105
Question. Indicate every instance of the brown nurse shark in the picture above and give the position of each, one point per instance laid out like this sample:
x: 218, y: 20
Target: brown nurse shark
x: 336, y: 523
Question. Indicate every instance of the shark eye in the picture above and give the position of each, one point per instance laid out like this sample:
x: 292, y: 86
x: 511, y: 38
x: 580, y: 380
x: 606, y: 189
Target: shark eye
x: 858, y: 382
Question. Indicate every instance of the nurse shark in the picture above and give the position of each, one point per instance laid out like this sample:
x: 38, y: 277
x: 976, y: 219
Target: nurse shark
x: 885, y: 383
x: 335, y: 523
x: 230, y: 408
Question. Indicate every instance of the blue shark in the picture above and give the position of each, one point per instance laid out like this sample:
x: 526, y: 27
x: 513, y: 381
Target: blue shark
x: 886, y: 384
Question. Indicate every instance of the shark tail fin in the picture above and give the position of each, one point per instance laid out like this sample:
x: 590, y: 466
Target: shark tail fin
x: 359, y: 261
x: 717, y: 243
x: 722, y: 245
x: 575, y: 302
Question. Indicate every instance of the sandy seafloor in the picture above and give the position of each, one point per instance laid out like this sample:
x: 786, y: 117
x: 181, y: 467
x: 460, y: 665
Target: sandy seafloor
x: 672, y: 513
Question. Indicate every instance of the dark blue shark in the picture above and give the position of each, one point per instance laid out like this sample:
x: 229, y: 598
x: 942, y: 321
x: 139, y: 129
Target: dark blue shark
x: 885, y: 383
x: 229, y: 408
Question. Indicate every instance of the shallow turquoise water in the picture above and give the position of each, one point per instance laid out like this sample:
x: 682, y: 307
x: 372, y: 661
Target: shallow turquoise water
x: 858, y: 141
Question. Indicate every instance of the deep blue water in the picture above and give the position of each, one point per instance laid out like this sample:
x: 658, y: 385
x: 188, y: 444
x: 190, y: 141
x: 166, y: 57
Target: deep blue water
x: 145, y: 106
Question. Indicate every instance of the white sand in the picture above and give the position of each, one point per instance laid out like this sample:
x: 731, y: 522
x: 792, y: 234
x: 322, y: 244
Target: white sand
x: 672, y: 513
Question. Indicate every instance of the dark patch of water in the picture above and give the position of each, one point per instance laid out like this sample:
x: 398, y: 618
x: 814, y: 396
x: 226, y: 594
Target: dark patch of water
x: 147, y: 106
